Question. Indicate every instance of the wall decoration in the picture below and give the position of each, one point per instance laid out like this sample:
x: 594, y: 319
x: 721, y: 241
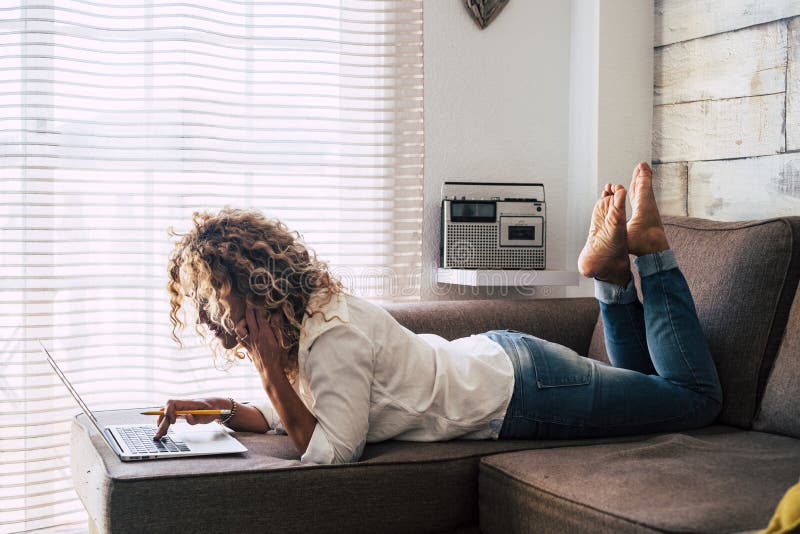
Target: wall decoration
x: 483, y: 12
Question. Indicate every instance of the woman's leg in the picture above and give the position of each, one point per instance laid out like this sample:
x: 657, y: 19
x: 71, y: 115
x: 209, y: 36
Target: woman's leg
x: 605, y: 258
x: 678, y: 347
x: 686, y: 392
x: 562, y: 395
x: 624, y: 327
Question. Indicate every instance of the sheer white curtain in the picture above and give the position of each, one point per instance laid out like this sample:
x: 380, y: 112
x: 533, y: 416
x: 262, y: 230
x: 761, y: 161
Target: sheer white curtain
x: 120, y: 118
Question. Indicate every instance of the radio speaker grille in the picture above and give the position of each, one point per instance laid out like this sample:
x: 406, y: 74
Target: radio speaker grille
x: 475, y: 246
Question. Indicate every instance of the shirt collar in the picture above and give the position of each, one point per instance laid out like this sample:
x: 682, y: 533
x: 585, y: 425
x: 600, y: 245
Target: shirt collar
x: 330, y: 314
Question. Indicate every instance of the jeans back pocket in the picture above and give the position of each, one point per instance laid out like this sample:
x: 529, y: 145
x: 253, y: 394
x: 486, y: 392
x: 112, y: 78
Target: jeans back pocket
x: 556, y: 365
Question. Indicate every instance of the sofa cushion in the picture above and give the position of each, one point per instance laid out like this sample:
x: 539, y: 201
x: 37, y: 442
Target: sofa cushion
x: 779, y: 411
x: 397, y: 487
x: 712, y: 480
x: 569, y: 322
x: 743, y: 276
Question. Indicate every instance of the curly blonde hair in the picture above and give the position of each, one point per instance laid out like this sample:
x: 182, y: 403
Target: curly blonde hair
x: 244, y: 252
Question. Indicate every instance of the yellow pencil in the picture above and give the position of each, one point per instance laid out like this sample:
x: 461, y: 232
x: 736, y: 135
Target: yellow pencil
x: 189, y: 412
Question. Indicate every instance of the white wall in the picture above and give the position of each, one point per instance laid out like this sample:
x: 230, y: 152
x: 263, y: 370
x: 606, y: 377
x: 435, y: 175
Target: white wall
x: 583, y: 119
x: 610, y: 108
x: 496, y: 109
x: 553, y: 92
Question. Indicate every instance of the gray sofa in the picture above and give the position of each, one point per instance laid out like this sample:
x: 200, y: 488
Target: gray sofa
x: 724, y: 478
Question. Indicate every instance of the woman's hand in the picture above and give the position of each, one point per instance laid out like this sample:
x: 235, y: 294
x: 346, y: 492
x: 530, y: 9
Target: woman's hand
x: 262, y: 337
x: 173, y: 405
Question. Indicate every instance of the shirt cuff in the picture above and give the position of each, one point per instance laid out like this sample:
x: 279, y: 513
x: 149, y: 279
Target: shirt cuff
x: 319, y: 450
x: 269, y: 413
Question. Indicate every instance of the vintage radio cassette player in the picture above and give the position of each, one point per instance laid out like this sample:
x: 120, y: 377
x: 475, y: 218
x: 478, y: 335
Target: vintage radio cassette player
x: 493, y: 226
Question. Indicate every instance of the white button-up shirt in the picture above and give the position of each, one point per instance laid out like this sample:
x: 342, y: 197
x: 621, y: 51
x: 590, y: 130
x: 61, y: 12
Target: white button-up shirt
x: 367, y: 378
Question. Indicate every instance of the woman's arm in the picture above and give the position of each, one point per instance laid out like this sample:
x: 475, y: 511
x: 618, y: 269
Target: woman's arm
x: 298, y: 422
x: 268, y: 356
x: 246, y: 419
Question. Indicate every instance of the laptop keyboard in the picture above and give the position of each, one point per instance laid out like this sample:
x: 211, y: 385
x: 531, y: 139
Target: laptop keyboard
x: 140, y: 440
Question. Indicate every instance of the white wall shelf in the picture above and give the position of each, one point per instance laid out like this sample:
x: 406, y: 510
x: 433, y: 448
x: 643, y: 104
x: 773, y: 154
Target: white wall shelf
x: 506, y: 278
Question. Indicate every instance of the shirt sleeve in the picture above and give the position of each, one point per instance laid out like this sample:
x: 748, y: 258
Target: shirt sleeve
x: 339, y: 370
x: 270, y: 415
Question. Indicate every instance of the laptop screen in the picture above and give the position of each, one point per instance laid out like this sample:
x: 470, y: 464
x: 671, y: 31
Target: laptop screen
x: 75, y: 395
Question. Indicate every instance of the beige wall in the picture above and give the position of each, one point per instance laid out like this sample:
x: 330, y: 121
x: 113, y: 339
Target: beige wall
x: 726, y: 114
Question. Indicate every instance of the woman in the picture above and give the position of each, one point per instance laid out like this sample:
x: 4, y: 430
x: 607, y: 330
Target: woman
x: 339, y: 371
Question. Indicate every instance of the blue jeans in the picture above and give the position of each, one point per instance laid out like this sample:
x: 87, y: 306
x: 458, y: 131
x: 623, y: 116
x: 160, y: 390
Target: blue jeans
x: 661, y: 378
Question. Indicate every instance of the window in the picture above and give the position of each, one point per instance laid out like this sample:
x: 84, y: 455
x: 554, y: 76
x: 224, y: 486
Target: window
x: 119, y: 119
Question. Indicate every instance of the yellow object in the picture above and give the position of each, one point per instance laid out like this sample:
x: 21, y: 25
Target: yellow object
x: 787, y: 514
x: 187, y: 412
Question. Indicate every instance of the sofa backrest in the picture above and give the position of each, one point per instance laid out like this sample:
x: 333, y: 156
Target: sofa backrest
x: 743, y: 277
x: 779, y: 411
x: 569, y: 322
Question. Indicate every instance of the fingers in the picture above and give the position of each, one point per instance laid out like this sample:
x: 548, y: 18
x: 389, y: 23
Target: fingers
x: 242, y: 332
x: 251, y: 327
x: 266, y: 349
x: 262, y: 326
x: 276, y: 323
x: 162, y: 429
x: 251, y: 322
x: 269, y: 325
x: 169, y: 417
x: 256, y: 333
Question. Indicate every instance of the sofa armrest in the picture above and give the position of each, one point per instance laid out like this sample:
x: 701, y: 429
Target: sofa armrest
x: 569, y: 322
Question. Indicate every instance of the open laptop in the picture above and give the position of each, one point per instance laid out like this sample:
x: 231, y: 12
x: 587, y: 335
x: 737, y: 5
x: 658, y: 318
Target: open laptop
x: 135, y: 441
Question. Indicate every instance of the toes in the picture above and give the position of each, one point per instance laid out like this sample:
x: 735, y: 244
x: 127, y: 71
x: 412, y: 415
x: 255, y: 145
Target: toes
x: 635, y: 174
x: 641, y: 169
x: 619, y: 198
x: 600, y: 205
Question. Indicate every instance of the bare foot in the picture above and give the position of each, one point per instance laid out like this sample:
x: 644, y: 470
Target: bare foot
x: 605, y: 255
x: 645, y: 230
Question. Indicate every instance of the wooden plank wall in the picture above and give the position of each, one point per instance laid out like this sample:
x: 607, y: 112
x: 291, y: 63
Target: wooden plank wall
x: 726, y: 115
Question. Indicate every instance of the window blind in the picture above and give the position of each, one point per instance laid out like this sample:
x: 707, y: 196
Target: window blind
x: 119, y: 119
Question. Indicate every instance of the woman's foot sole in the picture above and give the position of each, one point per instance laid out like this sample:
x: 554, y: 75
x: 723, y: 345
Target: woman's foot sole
x: 645, y: 230
x: 605, y: 255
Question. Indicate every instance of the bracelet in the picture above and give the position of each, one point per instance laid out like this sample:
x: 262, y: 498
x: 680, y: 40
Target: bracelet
x: 224, y: 420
